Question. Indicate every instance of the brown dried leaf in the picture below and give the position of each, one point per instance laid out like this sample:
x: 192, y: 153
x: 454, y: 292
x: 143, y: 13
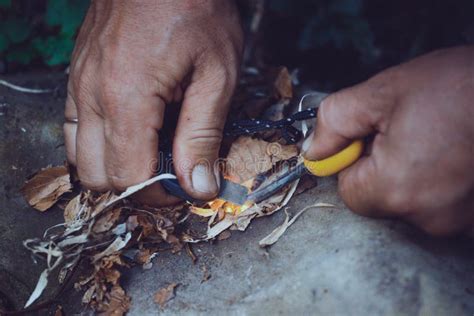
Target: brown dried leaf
x: 109, y: 261
x: 72, y: 209
x: 206, y: 275
x: 46, y: 187
x: 249, y: 157
x: 143, y: 256
x: 190, y: 252
x: 59, y: 311
x: 101, y: 202
x: 114, y: 247
x: 107, y: 221
x: 165, y: 294
x: 282, y: 84
x: 146, y: 224
x: 118, y: 304
x: 112, y: 276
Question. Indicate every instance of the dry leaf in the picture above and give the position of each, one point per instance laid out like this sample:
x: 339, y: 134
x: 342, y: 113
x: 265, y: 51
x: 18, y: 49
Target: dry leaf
x: 97, y: 224
x: 59, y: 311
x: 249, y: 157
x: 72, y: 209
x: 241, y: 220
x: 46, y: 187
x: 114, y: 247
x: 107, y: 221
x: 206, y: 275
x: 112, y: 276
x: 282, y: 84
x: 165, y: 294
x: 203, y: 212
x: 100, y: 203
x: 143, y: 256
x: 40, y: 286
x: 280, y: 230
x: 138, y: 187
x: 119, y: 302
x: 190, y: 252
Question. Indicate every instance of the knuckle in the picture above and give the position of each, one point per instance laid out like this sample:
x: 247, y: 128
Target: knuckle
x: 163, y: 86
x: 121, y: 96
x: 94, y: 184
x: 119, y: 183
x: 221, y: 72
x: 323, y: 120
x: 381, y: 85
x: 117, y: 149
x: 111, y: 94
x: 205, y: 138
x: 381, y: 90
x: 108, y: 43
x: 323, y: 108
x: 82, y: 89
x: 327, y: 104
x: 121, y: 178
x: 114, y: 102
x: 230, y: 59
x: 221, y: 77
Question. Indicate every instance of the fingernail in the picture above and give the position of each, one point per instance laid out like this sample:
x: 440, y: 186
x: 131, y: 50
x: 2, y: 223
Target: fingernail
x: 204, y: 179
x: 307, y: 142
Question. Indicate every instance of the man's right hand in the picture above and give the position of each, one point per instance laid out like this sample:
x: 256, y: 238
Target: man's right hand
x: 131, y: 59
x: 420, y: 166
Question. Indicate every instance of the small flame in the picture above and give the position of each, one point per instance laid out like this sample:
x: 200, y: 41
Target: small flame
x: 223, y: 207
x: 217, y: 205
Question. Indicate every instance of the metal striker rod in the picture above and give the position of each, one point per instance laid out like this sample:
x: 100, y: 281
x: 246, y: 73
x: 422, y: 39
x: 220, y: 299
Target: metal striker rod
x: 267, y: 191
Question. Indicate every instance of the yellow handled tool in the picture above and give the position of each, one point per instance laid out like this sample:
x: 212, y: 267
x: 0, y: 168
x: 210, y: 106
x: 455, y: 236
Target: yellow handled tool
x: 337, y: 162
x: 321, y: 168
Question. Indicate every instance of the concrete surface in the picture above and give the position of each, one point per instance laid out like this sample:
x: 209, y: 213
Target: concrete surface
x: 329, y: 262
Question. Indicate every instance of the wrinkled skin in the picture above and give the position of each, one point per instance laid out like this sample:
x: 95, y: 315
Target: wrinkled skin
x: 131, y: 59
x: 420, y: 164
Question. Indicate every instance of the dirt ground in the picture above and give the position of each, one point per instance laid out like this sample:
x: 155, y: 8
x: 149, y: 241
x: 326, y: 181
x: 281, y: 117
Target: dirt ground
x: 328, y: 262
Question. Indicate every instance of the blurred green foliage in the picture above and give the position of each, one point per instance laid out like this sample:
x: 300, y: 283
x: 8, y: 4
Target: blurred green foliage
x: 332, y: 40
x: 41, y: 31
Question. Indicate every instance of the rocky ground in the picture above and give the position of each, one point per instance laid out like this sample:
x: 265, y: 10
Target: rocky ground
x: 328, y: 262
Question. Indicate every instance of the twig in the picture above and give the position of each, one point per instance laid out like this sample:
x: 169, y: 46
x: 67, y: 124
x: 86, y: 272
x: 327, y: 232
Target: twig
x: 23, y: 89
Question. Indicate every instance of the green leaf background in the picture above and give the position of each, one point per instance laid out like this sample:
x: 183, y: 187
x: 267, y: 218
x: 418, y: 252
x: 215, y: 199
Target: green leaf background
x: 49, y: 39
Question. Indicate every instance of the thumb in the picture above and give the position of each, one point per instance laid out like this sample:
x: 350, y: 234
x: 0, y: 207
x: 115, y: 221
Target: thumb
x: 349, y: 114
x: 200, y: 127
